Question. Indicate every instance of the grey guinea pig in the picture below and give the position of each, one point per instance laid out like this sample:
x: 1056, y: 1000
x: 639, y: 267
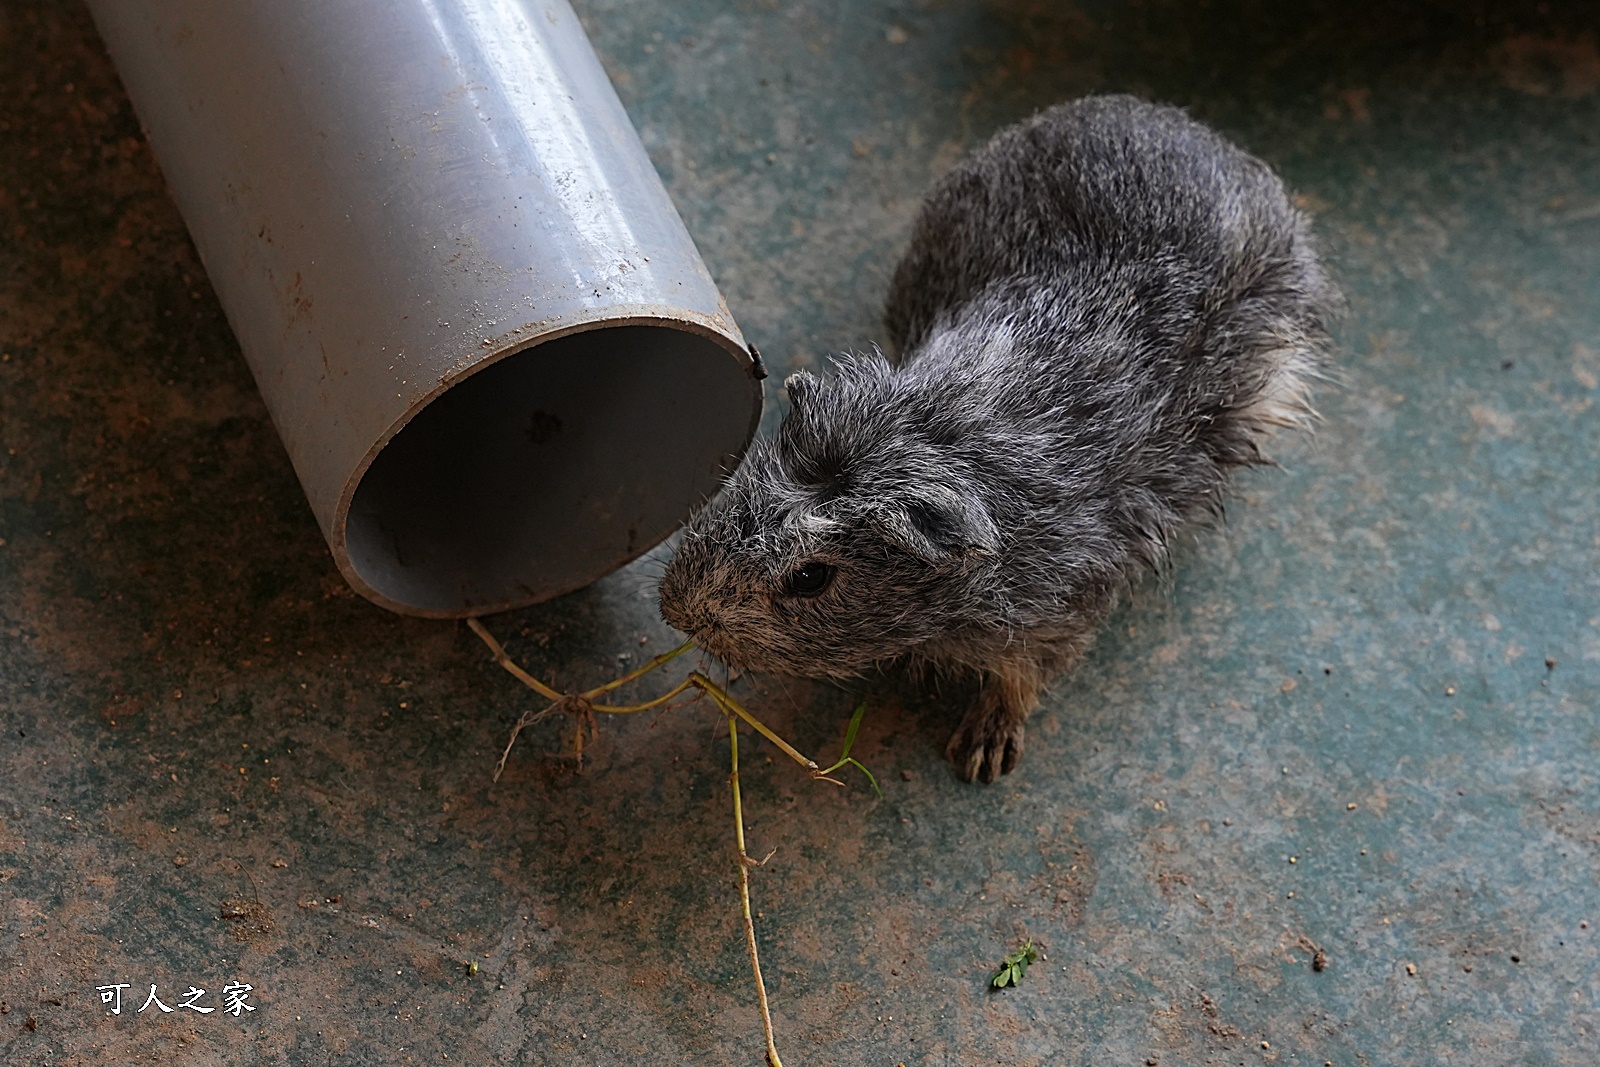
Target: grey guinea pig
x: 1101, y: 314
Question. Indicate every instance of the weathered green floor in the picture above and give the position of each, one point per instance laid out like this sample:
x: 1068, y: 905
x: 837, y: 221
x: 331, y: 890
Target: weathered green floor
x: 1363, y: 718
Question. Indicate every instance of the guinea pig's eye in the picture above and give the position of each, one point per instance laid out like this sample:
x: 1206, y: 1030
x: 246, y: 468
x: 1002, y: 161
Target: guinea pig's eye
x: 809, y: 580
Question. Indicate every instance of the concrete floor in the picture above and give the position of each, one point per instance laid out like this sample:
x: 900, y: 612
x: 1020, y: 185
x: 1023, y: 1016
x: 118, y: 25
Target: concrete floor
x: 1362, y: 719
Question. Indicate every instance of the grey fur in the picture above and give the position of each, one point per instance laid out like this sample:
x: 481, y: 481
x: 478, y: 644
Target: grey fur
x: 1101, y: 313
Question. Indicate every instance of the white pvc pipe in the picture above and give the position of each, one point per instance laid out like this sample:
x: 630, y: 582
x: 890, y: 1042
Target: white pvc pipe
x: 489, y: 345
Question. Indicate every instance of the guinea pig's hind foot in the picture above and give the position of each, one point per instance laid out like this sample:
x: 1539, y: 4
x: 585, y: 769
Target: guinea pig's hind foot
x: 988, y: 742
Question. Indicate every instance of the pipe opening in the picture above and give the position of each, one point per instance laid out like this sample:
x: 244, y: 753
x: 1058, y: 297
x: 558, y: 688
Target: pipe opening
x: 549, y: 469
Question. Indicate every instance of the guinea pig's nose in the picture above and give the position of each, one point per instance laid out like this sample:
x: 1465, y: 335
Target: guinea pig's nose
x: 680, y: 615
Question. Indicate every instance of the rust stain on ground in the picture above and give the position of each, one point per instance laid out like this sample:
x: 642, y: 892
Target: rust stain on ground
x: 1549, y: 66
x: 247, y: 919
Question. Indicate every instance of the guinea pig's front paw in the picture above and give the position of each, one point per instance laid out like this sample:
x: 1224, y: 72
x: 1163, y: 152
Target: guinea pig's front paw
x: 988, y: 742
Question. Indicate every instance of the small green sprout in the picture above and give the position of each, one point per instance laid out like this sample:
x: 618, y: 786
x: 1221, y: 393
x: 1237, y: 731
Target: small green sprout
x: 1014, y: 966
x: 844, y: 754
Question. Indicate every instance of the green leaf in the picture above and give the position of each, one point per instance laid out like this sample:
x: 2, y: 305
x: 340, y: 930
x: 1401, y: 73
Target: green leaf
x: 844, y: 754
x: 850, y: 732
x: 1015, y: 966
x: 862, y: 768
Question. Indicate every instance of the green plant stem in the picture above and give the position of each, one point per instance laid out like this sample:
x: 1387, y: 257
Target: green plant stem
x: 510, y: 665
x: 696, y: 680
x: 629, y: 709
x: 734, y: 712
x: 639, y: 672
x: 728, y: 704
x: 744, y: 865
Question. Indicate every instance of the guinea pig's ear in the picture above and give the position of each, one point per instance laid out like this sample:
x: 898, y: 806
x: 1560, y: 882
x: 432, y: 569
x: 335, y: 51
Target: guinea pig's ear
x: 799, y: 385
x: 939, y: 523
